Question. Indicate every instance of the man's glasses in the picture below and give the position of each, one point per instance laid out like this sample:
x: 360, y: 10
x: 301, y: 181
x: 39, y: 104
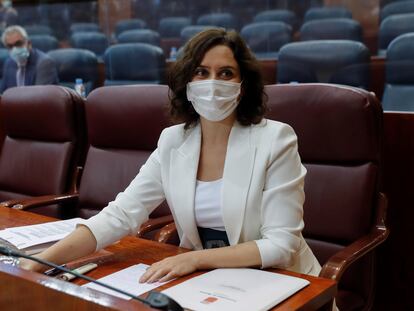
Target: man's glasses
x: 17, y: 44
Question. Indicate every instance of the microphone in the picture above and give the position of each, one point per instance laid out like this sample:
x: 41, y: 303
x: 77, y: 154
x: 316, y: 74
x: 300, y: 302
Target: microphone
x: 154, y: 299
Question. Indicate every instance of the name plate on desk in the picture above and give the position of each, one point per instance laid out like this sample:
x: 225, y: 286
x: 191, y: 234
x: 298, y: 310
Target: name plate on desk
x: 235, y: 289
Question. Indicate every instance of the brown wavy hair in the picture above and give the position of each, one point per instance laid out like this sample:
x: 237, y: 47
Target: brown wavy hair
x: 251, y: 107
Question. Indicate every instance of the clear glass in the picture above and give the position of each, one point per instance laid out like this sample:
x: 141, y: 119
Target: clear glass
x: 98, y: 26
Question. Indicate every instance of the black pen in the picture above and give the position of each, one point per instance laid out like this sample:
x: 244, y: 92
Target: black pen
x: 54, y: 271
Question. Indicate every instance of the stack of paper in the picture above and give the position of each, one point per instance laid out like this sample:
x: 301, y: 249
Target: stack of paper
x: 235, y: 289
x: 126, y: 280
x: 35, y: 238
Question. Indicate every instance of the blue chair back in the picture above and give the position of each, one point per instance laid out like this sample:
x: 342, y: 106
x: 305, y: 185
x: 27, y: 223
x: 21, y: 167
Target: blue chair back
x: 38, y: 30
x: 399, y: 74
x: 56, y: 16
x: 393, y: 26
x: 327, y: 61
x: 140, y: 36
x: 76, y: 63
x: 170, y: 27
x: 96, y: 42
x: 84, y: 27
x: 4, y: 54
x: 266, y: 38
x: 285, y: 16
x: 399, y: 7
x: 190, y: 31
x: 28, y: 14
x: 327, y: 12
x: 134, y: 63
x: 129, y: 24
x: 44, y: 43
x: 331, y: 29
x: 225, y: 20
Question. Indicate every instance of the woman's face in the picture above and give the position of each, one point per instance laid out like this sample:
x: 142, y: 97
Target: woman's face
x: 218, y: 64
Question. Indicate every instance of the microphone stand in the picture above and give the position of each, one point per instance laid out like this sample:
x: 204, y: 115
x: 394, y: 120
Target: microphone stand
x: 155, y: 299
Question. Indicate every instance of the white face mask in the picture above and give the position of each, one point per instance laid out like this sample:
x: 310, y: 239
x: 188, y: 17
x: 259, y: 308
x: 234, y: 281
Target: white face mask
x: 214, y: 100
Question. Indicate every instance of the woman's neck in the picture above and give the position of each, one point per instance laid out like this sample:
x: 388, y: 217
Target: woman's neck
x: 216, y: 132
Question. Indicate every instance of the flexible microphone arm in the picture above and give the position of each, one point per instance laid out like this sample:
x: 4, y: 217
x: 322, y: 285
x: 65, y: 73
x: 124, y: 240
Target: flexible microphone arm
x: 155, y: 299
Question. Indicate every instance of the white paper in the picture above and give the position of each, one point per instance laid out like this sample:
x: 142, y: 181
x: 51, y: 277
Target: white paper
x: 126, y: 280
x: 27, y: 236
x: 235, y: 289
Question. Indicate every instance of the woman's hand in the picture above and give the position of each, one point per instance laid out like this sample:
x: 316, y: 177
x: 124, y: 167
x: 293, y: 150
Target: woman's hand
x: 171, y: 267
x: 31, y: 265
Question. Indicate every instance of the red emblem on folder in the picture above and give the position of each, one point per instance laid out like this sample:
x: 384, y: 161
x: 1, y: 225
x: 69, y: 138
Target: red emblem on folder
x: 209, y: 300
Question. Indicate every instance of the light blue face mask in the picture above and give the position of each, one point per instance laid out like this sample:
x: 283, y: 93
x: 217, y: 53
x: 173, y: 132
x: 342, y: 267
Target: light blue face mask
x: 20, y: 55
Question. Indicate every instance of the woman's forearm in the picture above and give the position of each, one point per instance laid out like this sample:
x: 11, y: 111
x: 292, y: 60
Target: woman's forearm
x: 236, y: 256
x: 79, y: 243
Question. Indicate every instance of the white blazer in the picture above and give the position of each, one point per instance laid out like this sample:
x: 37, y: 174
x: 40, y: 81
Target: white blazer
x: 262, y: 194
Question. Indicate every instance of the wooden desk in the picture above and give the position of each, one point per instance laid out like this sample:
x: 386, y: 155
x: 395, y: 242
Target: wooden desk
x: 42, y: 292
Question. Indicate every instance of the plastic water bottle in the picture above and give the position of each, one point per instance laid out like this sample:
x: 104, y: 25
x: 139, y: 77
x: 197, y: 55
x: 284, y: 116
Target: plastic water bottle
x: 173, y: 53
x: 80, y: 87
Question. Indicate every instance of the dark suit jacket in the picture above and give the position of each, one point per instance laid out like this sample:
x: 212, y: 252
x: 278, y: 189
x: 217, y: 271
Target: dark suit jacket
x: 40, y: 69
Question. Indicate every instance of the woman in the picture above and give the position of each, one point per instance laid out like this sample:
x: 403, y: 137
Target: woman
x: 233, y: 180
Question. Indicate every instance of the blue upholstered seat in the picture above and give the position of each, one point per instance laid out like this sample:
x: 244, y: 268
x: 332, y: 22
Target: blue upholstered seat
x: 170, y: 27
x: 84, y: 27
x: 327, y: 12
x: 285, y: 16
x: 76, y: 63
x: 129, y: 24
x: 190, y: 31
x: 44, y: 43
x: 331, y: 29
x: 399, y: 81
x: 399, y: 7
x: 328, y: 61
x: 96, y: 42
x: 392, y: 27
x: 266, y: 38
x: 134, y: 63
x: 4, y: 54
x: 140, y: 36
x: 38, y: 30
x: 225, y: 20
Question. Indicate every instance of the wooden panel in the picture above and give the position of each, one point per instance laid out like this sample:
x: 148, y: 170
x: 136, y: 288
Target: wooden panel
x: 112, y: 11
x: 396, y: 272
x: 366, y: 12
x: 377, y: 75
x: 24, y: 290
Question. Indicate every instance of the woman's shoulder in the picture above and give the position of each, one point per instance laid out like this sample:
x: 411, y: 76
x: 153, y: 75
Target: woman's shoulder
x: 174, y: 135
x: 271, y: 128
x: 273, y: 137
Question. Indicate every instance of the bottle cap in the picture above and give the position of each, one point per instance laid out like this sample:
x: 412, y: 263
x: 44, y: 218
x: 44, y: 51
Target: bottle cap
x: 78, y: 81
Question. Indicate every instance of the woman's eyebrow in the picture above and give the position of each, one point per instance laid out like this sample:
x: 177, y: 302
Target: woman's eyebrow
x: 222, y: 67
x: 228, y: 67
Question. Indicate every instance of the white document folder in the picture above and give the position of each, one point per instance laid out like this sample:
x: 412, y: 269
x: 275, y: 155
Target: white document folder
x: 235, y: 289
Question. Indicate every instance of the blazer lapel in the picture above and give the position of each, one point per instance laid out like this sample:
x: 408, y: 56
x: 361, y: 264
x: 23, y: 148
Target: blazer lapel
x: 237, y: 174
x: 183, y: 167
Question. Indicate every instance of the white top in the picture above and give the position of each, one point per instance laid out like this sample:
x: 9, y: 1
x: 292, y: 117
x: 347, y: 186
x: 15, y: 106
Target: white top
x: 207, y: 204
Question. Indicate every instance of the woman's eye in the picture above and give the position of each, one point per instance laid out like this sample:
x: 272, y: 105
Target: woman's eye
x: 226, y: 74
x: 200, y: 72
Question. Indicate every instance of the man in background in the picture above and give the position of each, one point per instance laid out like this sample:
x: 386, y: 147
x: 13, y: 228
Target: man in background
x: 25, y: 65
